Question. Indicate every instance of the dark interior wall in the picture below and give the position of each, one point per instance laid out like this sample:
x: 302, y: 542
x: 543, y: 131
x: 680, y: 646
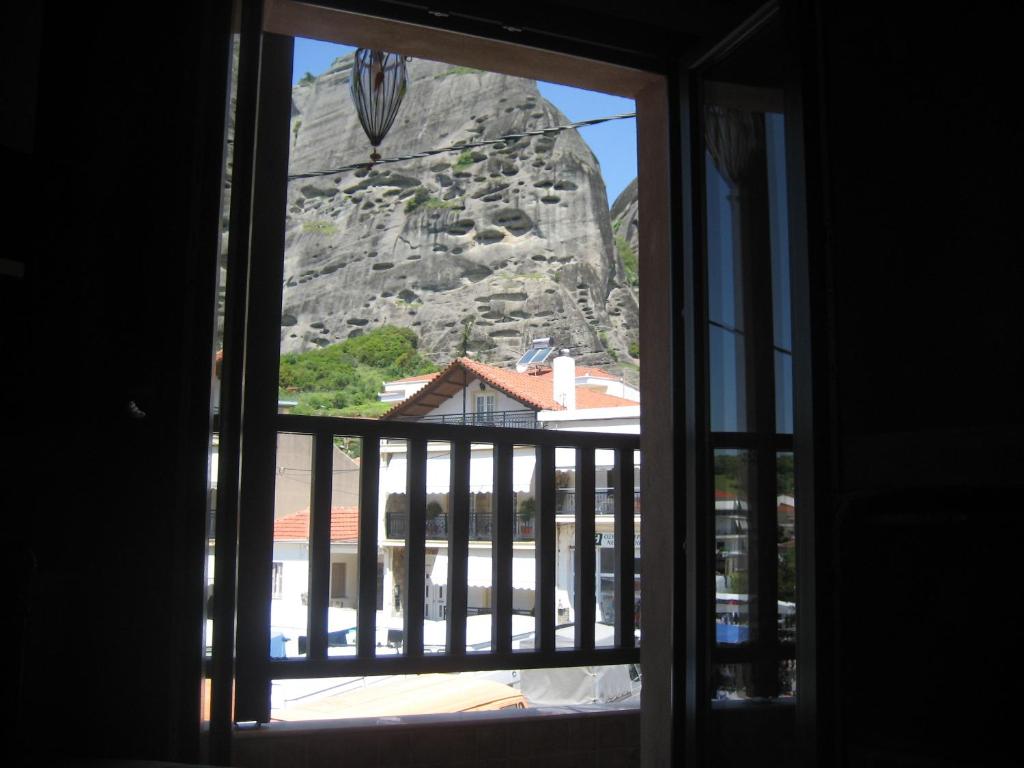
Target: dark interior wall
x: 114, y: 219
x: 111, y: 208
x: 924, y: 151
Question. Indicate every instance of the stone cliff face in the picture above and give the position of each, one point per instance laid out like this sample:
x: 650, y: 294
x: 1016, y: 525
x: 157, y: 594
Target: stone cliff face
x: 480, y: 251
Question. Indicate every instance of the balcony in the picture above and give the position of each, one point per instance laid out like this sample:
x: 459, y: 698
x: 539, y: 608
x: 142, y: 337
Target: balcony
x: 604, y: 501
x: 522, y: 419
x: 589, y: 641
x: 481, y: 526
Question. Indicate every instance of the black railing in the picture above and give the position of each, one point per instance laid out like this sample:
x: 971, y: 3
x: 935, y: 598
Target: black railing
x: 523, y: 419
x: 481, y: 526
x: 604, y: 501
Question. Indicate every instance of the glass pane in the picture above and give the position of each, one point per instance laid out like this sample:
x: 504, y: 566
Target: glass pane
x: 725, y: 307
x: 778, y: 222
x: 782, y: 326
x: 787, y: 678
x: 565, y: 532
x: 734, y: 681
x: 783, y: 392
x: 605, y: 495
x: 524, y: 548
x: 290, y: 570
x: 343, y: 594
x: 636, y: 546
x: 732, y: 547
x: 786, y: 536
x: 215, y: 379
x: 727, y: 369
x: 479, y: 571
x: 393, y: 524
x: 435, y: 583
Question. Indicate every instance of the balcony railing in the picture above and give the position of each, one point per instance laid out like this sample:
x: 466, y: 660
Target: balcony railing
x: 522, y: 419
x: 481, y: 526
x: 604, y: 501
x: 256, y: 669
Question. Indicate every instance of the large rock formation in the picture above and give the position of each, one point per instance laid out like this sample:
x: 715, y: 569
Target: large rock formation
x: 480, y: 250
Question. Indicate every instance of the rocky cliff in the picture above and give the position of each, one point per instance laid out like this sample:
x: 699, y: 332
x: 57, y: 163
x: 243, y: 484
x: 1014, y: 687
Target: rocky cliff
x: 479, y: 250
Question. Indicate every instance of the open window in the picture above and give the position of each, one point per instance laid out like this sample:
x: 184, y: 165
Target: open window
x: 424, y: 511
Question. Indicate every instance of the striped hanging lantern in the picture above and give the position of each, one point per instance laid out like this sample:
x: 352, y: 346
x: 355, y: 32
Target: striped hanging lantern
x: 378, y: 85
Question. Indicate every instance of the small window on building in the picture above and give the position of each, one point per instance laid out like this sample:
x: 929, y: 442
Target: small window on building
x: 338, y: 580
x: 277, y: 580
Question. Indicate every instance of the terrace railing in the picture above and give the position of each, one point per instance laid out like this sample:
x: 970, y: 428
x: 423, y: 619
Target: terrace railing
x: 604, y: 501
x: 257, y: 668
x: 520, y: 419
x: 481, y: 526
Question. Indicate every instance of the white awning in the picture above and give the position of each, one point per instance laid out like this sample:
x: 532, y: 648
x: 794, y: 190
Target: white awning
x: 392, y: 476
x: 565, y: 458
x: 478, y: 571
x: 481, y: 474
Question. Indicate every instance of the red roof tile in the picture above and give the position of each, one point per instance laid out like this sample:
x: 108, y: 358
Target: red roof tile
x: 295, y: 527
x: 532, y: 388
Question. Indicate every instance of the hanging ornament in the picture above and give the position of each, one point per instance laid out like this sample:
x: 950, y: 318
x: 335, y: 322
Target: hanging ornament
x: 378, y: 85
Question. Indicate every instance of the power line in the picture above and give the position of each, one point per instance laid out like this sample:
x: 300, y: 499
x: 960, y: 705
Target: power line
x: 462, y: 147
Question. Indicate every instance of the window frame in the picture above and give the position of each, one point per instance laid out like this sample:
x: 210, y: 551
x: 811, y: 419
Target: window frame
x: 250, y: 282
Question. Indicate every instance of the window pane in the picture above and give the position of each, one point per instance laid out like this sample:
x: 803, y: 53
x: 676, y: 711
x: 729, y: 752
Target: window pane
x: 778, y: 221
x: 343, y: 597
x: 734, y: 681
x: 783, y: 392
x: 732, y: 547
x: 479, y: 572
x: 393, y: 522
x: 524, y: 548
x: 435, y: 606
x: 786, y: 536
x: 605, y: 496
x: 565, y: 556
x: 290, y: 589
x: 215, y: 382
x: 636, y: 546
x: 727, y: 343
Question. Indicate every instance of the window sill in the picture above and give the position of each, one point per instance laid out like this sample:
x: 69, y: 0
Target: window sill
x: 443, y: 719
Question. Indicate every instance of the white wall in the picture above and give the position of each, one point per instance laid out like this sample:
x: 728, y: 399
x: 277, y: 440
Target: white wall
x: 453, y: 405
x: 295, y: 577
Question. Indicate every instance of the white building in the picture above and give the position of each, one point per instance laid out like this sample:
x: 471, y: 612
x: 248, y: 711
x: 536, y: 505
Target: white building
x: 560, y: 396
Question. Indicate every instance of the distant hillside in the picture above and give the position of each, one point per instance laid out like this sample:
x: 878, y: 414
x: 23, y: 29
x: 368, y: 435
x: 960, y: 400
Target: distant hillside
x: 343, y: 379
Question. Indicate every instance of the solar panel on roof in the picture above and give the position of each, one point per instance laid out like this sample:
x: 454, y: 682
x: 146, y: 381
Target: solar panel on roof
x: 538, y: 352
x: 542, y: 354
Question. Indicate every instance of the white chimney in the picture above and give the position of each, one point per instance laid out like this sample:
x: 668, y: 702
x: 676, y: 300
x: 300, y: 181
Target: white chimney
x: 563, y: 380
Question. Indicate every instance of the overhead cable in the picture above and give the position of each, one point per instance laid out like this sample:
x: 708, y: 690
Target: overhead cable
x: 462, y: 147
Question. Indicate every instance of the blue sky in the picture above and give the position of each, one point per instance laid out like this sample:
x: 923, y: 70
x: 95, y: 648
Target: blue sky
x: 614, y: 143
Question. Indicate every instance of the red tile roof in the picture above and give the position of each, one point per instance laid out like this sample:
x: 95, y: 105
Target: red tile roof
x: 532, y: 388
x: 295, y: 527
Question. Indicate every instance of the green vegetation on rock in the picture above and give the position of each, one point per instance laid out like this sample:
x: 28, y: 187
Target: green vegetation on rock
x: 423, y: 199
x: 464, y: 161
x: 320, y: 226
x: 457, y: 71
x: 344, y: 379
x: 629, y: 260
